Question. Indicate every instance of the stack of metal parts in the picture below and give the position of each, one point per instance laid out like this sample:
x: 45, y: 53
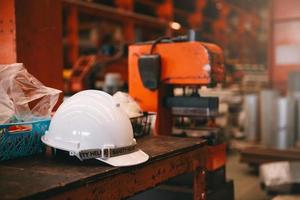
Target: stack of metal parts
x: 195, y: 116
x: 229, y: 111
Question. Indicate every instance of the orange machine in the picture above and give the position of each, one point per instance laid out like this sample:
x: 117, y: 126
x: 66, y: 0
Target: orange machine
x: 156, y: 68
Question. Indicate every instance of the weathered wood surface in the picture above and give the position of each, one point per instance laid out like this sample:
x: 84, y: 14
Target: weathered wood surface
x: 47, y: 176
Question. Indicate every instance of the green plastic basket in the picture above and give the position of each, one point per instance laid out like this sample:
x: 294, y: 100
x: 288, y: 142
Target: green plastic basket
x: 22, y: 139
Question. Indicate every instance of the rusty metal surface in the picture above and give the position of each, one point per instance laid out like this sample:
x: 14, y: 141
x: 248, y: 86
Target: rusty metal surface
x: 199, y: 184
x: 260, y: 155
x: 72, y: 37
x: 7, y: 32
x: 217, y: 157
x: 30, y: 33
x: 39, y: 39
x: 45, y: 175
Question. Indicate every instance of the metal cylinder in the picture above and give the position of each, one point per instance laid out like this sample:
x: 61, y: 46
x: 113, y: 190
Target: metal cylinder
x: 294, y: 107
x: 251, y: 117
x: 297, y: 138
x: 268, y: 119
x: 293, y: 82
x: 292, y: 120
x: 282, y: 137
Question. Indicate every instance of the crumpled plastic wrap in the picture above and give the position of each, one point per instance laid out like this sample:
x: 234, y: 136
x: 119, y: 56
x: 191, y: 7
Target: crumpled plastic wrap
x: 22, y: 96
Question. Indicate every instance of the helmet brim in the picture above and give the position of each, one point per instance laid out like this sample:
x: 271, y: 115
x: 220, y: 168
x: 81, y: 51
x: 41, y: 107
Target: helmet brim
x: 130, y: 159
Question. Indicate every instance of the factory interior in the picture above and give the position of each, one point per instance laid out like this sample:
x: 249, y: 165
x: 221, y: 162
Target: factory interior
x: 150, y: 99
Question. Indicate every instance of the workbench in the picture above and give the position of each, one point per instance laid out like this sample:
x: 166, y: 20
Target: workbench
x: 48, y: 176
x: 257, y: 155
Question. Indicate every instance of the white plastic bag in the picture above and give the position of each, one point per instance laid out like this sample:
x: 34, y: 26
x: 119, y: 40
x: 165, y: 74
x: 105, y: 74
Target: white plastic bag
x: 22, y: 96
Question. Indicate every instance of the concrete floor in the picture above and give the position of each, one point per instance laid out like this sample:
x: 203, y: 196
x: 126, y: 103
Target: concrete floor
x: 246, y: 181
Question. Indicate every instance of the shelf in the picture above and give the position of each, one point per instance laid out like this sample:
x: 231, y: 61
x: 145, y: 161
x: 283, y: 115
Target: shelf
x: 116, y: 14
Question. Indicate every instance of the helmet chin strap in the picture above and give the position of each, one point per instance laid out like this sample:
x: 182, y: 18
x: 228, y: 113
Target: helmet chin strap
x: 107, y: 151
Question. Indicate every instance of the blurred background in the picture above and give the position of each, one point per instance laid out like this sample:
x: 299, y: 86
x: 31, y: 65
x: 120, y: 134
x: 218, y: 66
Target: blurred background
x: 74, y: 45
x: 106, y: 28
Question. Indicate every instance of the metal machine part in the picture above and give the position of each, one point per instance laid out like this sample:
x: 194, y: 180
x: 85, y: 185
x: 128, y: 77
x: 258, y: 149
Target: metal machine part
x: 181, y: 62
x: 156, y: 68
x: 193, y: 105
x: 178, y: 62
x: 149, y: 68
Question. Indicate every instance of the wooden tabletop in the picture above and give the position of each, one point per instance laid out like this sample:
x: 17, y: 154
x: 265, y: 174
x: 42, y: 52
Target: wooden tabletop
x: 44, y: 174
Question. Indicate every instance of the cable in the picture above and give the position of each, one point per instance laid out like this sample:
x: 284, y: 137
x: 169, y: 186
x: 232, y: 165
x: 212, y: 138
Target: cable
x: 158, y: 40
x: 174, y: 39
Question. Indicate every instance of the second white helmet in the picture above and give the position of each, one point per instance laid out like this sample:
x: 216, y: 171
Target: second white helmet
x: 128, y: 104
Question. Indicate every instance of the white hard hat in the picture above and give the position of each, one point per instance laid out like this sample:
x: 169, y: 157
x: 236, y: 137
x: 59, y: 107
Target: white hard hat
x: 127, y: 103
x: 90, y: 124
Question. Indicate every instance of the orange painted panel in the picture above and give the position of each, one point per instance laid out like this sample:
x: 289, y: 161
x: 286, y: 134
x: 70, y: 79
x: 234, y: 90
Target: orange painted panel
x: 183, y: 63
x: 216, y: 157
x: 39, y: 39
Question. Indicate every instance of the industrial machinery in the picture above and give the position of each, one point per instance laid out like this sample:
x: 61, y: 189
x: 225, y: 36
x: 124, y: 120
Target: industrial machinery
x: 89, y: 69
x: 156, y: 68
x: 159, y: 69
